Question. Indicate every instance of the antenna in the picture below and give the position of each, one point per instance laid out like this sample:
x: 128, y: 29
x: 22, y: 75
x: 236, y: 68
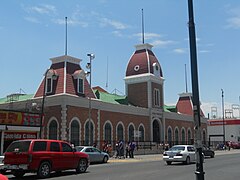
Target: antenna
x: 142, y: 27
x: 107, y: 74
x: 186, y: 78
x: 66, y: 37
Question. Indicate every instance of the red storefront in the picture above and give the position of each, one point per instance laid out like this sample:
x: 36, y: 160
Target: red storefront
x: 15, y: 125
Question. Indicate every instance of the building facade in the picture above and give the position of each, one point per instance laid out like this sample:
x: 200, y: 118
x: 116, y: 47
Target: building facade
x: 75, y: 112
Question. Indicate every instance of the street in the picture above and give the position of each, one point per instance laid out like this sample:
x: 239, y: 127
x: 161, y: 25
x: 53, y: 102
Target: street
x: 222, y: 167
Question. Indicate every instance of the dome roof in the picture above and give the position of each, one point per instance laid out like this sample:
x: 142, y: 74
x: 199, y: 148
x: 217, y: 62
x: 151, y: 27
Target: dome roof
x: 143, y: 61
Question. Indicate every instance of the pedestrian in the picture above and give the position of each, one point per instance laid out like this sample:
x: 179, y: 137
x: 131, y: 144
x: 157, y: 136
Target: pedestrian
x: 121, y: 149
x: 127, y: 149
x: 132, y: 147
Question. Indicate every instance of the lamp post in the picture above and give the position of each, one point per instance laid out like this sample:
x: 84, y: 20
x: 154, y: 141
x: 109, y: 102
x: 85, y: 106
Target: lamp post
x: 43, y: 101
x: 223, y: 118
x: 195, y: 98
x: 89, y: 66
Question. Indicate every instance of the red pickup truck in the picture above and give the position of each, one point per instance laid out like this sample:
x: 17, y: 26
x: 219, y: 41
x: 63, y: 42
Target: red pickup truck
x: 43, y: 156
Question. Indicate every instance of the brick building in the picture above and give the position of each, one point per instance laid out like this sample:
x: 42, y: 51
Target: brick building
x: 141, y: 115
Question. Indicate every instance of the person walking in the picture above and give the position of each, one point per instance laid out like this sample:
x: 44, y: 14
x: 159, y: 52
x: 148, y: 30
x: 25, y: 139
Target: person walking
x: 127, y: 150
x: 132, y: 147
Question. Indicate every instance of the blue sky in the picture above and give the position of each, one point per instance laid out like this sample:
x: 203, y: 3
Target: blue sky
x: 31, y: 32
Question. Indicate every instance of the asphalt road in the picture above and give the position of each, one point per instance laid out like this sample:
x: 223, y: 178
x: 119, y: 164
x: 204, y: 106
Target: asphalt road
x: 222, y: 167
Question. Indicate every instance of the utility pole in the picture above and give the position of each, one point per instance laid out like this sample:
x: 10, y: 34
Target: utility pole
x: 196, y: 105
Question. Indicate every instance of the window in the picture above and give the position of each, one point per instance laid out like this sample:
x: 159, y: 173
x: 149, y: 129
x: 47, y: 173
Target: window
x: 169, y: 136
x: 54, y: 146
x: 49, y: 85
x: 75, y: 133
x: 176, y: 136
x: 53, y: 130
x: 189, y: 137
x: 156, y: 68
x: 22, y: 146
x: 183, y: 136
x: 66, y: 147
x: 156, y: 97
x: 120, y: 132
x: 40, y: 146
x: 108, y: 132
x: 141, y: 130
x: 87, y: 130
x: 80, y: 85
x: 131, y: 133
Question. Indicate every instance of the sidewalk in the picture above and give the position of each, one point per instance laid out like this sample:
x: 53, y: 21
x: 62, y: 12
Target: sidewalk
x: 158, y: 157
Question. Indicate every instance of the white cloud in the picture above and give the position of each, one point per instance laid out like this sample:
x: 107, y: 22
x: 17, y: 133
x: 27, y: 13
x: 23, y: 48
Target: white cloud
x: 162, y: 43
x: 41, y: 9
x: 113, y: 23
x: 32, y: 19
x: 204, y: 51
x: 117, y: 33
x: 180, y: 50
x: 233, y: 22
x: 73, y: 22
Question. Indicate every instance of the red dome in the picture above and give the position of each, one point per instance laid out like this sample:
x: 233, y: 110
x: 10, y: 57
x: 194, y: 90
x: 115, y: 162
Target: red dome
x: 143, y: 61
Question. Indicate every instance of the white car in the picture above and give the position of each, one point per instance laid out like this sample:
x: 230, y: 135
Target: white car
x: 95, y: 155
x: 180, y: 153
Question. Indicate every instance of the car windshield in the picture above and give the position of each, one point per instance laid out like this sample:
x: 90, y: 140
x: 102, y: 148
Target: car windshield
x: 79, y: 148
x: 177, y: 148
x: 22, y: 146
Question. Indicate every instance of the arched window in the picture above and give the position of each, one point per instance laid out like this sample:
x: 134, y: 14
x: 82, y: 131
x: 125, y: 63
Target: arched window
x: 156, y: 131
x: 183, y: 136
x: 189, y: 137
x: 141, y: 130
x: 119, y: 132
x: 53, y: 130
x: 176, y: 136
x: 87, y: 130
x: 108, y: 132
x: 131, y: 133
x: 169, y: 136
x: 75, y: 133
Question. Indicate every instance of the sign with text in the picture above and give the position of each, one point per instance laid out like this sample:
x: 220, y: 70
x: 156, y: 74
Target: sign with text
x: 19, y: 118
x: 19, y: 135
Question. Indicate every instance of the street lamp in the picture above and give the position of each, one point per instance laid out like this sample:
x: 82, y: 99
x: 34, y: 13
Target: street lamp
x: 54, y: 76
x: 89, y: 66
x: 223, y: 118
x: 195, y: 98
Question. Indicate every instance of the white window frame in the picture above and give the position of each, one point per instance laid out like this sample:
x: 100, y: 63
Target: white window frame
x: 156, y: 97
x: 78, y: 85
x: 46, y: 90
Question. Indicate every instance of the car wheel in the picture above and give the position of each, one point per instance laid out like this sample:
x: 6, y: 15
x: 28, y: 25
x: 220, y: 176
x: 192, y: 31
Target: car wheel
x: 187, y: 160
x: 212, y: 156
x: 82, y: 166
x: 169, y: 162
x: 105, y: 159
x: 44, y: 170
x: 18, y: 174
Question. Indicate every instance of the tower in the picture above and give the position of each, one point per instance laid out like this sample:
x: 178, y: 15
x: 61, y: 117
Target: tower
x: 144, y: 87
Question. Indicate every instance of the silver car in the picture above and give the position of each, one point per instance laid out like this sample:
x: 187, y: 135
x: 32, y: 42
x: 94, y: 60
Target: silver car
x: 95, y: 155
x: 180, y: 153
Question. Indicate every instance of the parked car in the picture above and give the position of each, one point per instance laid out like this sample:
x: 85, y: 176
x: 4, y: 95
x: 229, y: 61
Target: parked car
x: 95, y: 155
x: 180, y: 153
x: 43, y: 156
x: 234, y: 145
x: 207, y: 152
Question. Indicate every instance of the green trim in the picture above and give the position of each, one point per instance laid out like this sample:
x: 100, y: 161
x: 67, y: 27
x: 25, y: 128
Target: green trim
x: 111, y: 98
x: 15, y: 98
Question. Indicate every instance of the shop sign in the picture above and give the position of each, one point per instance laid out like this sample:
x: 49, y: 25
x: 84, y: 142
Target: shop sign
x: 19, y: 135
x: 19, y: 118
